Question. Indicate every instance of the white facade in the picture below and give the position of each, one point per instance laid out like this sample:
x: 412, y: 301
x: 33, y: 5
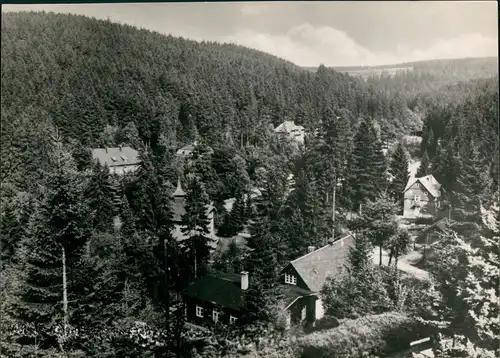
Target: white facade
x: 320, y: 310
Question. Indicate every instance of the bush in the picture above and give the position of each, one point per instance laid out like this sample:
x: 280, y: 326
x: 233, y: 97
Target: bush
x: 327, y: 322
x: 382, y: 334
x: 424, y: 220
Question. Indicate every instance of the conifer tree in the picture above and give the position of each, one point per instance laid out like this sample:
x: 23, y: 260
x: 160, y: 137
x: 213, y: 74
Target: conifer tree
x: 11, y: 234
x: 195, y: 226
x: 360, y: 255
x: 103, y: 197
x: 61, y: 231
x: 472, y: 187
x: 378, y: 222
x: 237, y: 216
x: 399, y: 171
x: 423, y: 168
x: 368, y: 172
x: 262, y: 264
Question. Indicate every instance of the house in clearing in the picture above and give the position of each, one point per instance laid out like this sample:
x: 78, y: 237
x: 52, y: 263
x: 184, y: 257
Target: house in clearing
x: 119, y: 160
x: 289, y: 130
x: 422, y: 197
x: 304, y: 277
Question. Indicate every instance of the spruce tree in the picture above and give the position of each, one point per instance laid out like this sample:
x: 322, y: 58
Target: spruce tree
x: 237, y: 215
x: 61, y: 230
x: 195, y: 226
x: 103, y: 198
x: 11, y: 234
x: 360, y: 255
x: 368, y: 171
x: 400, y: 175
x: 424, y: 167
x: 377, y: 221
x: 472, y: 186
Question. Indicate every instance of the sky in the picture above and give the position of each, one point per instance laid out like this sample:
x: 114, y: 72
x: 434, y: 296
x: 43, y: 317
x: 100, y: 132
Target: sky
x: 312, y: 33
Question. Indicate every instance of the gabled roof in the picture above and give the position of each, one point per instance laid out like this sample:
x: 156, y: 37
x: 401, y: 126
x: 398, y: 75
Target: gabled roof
x: 429, y: 182
x: 221, y: 289
x: 330, y: 260
x: 287, y: 127
x: 292, y: 293
x: 113, y: 157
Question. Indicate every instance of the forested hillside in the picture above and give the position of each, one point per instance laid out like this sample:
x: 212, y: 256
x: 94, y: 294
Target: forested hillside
x: 81, y: 74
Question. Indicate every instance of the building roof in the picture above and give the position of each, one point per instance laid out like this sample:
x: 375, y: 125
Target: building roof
x: 287, y: 127
x: 221, y: 289
x: 330, y: 260
x: 187, y: 149
x: 291, y: 293
x: 429, y: 182
x: 113, y: 157
x: 179, y: 191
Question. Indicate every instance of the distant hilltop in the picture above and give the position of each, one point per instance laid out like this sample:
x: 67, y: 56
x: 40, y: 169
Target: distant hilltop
x: 488, y: 65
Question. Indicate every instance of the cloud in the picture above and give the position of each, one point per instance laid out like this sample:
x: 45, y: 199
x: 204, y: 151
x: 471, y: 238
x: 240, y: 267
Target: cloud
x: 253, y: 9
x: 307, y: 45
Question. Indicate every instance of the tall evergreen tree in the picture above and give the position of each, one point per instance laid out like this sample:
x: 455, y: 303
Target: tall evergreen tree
x: 61, y: 231
x: 423, y: 168
x: 360, y: 255
x: 368, y: 172
x: 400, y: 175
x: 11, y: 234
x: 378, y: 221
x: 195, y: 226
x: 472, y: 186
x: 103, y: 198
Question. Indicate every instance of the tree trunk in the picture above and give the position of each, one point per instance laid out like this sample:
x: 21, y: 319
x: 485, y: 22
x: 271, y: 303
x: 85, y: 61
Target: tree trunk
x: 390, y: 258
x: 167, y: 293
x: 195, y: 266
x: 380, y: 255
x: 65, y: 294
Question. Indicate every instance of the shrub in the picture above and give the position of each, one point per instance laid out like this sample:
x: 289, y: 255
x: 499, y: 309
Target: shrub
x: 424, y: 220
x: 327, y: 322
x: 382, y: 334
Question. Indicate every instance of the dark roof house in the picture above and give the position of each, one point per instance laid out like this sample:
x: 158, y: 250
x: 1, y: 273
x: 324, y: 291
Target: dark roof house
x: 216, y: 297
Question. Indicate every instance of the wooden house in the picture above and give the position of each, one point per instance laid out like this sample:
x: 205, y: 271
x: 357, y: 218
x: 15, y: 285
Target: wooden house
x: 304, y: 277
x: 422, y: 197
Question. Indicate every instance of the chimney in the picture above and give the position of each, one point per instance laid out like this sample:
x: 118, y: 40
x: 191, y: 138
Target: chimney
x: 244, y: 280
x: 310, y: 249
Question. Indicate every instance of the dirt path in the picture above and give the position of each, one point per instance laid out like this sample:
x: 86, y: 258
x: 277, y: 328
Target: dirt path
x: 403, y: 264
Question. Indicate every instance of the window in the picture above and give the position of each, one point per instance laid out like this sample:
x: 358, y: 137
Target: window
x: 232, y: 319
x: 291, y: 279
x: 199, y: 311
x: 215, y: 315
